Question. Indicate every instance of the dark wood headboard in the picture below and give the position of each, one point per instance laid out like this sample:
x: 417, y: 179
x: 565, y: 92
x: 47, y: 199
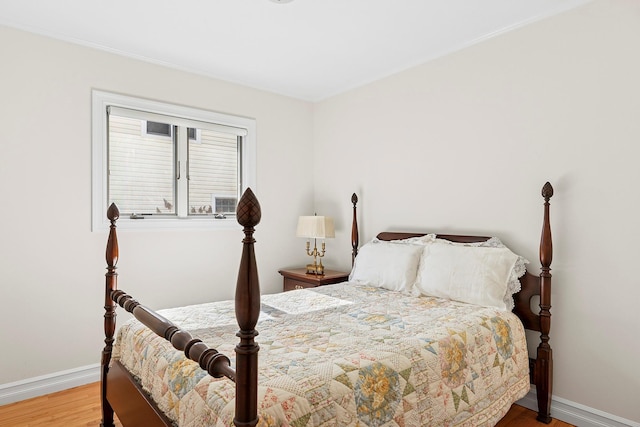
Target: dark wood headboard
x: 531, y: 286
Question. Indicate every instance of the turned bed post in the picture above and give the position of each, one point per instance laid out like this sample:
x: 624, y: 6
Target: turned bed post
x: 247, y: 305
x: 111, y: 284
x: 544, y: 359
x: 354, y: 230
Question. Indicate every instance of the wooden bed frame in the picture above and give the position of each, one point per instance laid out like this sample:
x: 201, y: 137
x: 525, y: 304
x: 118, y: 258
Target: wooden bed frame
x: 122, y: 394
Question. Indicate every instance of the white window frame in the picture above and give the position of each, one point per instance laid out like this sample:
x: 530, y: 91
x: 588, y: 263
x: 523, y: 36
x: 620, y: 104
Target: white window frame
x: 99, y: 168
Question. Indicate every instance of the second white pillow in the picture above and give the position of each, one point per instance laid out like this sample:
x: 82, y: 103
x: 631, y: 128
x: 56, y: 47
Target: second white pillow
x: 476, y: 275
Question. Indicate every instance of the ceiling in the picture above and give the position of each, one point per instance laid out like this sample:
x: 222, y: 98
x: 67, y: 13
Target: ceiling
x: 306, y: 49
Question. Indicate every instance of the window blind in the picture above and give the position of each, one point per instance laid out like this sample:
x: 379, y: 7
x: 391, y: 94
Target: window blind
x: 176, y: 121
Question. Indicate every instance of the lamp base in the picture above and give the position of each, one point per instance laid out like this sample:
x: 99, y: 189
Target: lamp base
x: 315, y: 269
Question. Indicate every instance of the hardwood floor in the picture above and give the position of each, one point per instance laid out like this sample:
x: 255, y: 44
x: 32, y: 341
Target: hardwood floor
x: 519, y: 416
x: 80, y: 406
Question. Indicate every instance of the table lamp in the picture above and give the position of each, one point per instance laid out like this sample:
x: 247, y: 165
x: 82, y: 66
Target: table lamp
x: 315, y: 227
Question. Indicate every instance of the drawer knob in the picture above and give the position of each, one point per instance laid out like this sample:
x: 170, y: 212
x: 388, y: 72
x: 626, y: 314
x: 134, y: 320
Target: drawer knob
x: 298, y: 287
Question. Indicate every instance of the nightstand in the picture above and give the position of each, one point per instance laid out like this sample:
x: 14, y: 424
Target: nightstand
x: 297, y: 278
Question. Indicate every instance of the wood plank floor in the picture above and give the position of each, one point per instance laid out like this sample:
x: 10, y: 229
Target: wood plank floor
x: 80, y: 406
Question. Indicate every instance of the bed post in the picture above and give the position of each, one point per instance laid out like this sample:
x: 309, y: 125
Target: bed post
x: 354, y: 230
x: 247, y: 312
x: 544, y: 359
x: 111, y: 284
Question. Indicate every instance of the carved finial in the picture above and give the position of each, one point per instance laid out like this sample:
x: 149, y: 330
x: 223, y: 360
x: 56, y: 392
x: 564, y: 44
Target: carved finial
x: 113, y: 213
x: 248, y: 211
x: 112, y: 243
x: 354, y: 198
x: 547, y: 191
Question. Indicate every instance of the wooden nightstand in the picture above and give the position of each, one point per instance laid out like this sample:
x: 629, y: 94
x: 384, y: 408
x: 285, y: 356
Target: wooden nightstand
x: 297, y: 278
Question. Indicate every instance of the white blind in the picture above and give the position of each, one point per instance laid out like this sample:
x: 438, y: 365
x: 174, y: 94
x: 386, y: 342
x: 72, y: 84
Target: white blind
x: 213, y: 169
x: 176, y: 121
x: 141, y: 168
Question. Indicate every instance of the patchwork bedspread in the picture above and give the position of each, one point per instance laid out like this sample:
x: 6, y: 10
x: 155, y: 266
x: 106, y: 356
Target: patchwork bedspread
x: 343, y: 355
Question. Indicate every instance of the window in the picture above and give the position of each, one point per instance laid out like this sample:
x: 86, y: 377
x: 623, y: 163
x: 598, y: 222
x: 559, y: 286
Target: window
x: 155, y: 128
x: 164, y: 129
x: 224, y: 205
x: 168, y: 166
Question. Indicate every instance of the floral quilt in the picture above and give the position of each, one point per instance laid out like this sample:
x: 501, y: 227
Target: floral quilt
x: 343, y: 355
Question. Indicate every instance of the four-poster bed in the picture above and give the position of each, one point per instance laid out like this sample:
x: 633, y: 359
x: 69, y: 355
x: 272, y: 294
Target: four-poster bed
x: 343, y: 390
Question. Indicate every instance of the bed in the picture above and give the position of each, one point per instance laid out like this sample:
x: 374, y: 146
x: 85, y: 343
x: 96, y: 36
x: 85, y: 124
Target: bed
x: 383, y: 349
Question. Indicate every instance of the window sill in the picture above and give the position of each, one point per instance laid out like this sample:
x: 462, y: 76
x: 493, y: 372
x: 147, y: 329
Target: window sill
x: 155, y: 224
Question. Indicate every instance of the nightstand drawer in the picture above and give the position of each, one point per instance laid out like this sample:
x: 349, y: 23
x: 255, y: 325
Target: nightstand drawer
x: 297, y: 278
x: 291, y: 284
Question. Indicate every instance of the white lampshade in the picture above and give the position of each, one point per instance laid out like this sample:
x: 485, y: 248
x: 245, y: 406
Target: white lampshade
x: 316, y: 227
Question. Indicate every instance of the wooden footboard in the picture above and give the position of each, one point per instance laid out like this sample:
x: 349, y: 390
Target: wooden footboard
x: 121, y: 393
x: 531, y: 286
x: 133, y: 405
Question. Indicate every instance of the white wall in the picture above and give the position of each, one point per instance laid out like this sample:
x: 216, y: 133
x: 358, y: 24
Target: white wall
x: 52, y: 266
x: 461, y: 144
x: 464, y: 144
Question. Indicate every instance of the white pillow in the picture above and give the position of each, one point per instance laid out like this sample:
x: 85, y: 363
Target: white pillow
x: 513, y: 285
x: 387, y: 265
x: 472, y: 274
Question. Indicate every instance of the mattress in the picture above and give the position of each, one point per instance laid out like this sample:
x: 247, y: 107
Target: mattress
x: 342, y: 355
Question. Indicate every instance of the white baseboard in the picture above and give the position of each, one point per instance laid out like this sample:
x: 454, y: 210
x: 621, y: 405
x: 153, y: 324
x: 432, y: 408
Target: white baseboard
x: 577, y: 414
x: 45, y: 384
x: 562, y: 409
